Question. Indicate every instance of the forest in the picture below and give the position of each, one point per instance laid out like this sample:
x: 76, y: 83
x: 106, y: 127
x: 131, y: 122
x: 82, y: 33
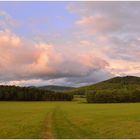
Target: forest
x: 15, y: 93
x: 113, y: 96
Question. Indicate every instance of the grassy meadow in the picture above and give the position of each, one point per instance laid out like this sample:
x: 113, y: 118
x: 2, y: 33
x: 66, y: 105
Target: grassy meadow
x: 69, y: 120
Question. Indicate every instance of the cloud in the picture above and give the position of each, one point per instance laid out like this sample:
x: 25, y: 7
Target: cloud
x: 113, y: 30
x: 6, y: 21
x: 94, y: 77
x: 24, y: 60
x: 108, y: 17
x: 95, y: 24
x: 104, y: 42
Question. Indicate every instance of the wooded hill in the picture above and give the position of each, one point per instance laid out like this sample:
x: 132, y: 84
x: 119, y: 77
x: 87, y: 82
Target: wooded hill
x: 118, y: 89
x: 129, y: 82
x: 56, y: 88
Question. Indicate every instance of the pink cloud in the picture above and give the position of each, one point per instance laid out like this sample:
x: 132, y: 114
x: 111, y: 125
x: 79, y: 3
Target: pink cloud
x: 21, y: 59
x: 104, y: 41
x: 97, y: 24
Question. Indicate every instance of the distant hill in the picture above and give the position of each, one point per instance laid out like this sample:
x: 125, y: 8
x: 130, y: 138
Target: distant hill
x: 56, y: 88
x: 117, y: 82
x: 129, y: 82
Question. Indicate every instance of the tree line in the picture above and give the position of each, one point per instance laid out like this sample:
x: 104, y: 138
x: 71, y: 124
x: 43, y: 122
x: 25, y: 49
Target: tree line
x: 15, y: 93
x: 113, y: 96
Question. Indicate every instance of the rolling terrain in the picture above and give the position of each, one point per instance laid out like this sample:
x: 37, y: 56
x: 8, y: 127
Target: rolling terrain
x: 73, y: 119
x: 56, y: 88
x: 128, y: 82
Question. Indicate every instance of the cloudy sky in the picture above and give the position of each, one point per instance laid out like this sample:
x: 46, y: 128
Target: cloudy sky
x: 68, y: 43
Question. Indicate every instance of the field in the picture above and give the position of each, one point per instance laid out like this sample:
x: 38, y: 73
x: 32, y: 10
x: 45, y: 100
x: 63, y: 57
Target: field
x: 69, y: 120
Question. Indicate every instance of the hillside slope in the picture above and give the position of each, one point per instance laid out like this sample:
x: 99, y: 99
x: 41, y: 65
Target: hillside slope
x: 129, y: 82
x: 56, y: 88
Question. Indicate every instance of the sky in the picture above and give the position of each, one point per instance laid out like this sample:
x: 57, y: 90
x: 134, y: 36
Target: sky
x: 68, y: 43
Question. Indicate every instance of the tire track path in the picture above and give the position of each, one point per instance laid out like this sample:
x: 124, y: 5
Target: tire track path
x: 49, y: 124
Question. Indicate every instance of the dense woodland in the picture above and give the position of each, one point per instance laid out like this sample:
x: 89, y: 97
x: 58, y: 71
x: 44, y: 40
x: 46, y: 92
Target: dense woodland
x: 118, y: 89
x: 113, y: 96
x: 14, y: 93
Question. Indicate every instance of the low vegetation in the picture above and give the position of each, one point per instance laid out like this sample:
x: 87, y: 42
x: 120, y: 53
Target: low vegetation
x: 69, y: 120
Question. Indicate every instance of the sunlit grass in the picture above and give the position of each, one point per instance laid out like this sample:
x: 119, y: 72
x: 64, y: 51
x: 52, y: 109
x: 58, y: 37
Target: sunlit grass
x: 69, y: 120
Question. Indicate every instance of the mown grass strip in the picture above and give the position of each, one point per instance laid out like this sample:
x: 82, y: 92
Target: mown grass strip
x: 48, y: 134
x: 64, y: 128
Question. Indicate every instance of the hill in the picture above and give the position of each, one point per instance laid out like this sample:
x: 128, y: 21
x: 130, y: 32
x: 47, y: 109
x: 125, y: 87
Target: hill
x: 56, y: 88
x: 117, y: 82
x: 127, y: 82
x: 115, y: 90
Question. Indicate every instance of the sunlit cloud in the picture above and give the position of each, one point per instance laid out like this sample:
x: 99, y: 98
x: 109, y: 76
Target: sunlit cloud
x: 100, y: 40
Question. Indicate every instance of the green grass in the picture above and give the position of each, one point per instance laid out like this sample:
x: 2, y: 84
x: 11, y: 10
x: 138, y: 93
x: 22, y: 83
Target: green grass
x: 69, y: 120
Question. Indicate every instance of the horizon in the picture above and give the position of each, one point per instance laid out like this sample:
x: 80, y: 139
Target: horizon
x: 68, y: 43
x: 72, y: 86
